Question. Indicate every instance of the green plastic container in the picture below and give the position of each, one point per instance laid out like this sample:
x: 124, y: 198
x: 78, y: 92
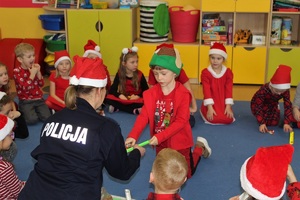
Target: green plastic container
x: 54, y: 45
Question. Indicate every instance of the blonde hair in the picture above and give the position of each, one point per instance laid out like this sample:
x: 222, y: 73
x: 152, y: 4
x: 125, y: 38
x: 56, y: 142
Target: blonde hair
x: 122, y: 73
x: 6, y: 88
x: 22, y: 48
x: 169, y: 169
x: 74, y: 91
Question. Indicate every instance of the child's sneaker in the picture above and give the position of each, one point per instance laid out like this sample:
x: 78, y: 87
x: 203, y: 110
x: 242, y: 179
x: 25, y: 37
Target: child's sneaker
x: 202, y: 142
x: 137, y: 111
x: 112, y: 109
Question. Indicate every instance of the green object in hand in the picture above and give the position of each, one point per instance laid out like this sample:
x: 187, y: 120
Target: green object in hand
x: 141, y: 145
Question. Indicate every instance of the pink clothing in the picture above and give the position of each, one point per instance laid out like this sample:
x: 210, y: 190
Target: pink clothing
x: 217, y: 90
x: 27, y: 89
x: 182, y: 77
x: 179, y: 134
x: 61, y: 85
x: 10, y: 185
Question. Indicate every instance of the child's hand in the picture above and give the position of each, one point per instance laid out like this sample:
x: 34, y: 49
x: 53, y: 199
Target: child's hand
x: 134, y: 97
x: 33, y: 70
x: 129, y: 142
x: 37, y: 67
x: 228, y: 111
x: 263, y: 128
x: 296, y: 114
x: 291, y: 175
x: 141, y: 149
x: 234, y: 198
x: 153, y: 141
x: 14, y: 114
x: 210, y: 113
x: 287, y: 128
x: 123, y: 97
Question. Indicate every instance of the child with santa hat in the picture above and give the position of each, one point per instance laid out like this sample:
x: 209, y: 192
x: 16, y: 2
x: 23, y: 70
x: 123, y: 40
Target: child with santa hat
x: 217, y: 83
x: 10, y: 185
x: 263, y: 176
x: 59, y: 80
x: 265, y: 102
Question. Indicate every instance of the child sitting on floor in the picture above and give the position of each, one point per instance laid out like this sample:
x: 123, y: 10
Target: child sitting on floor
x: 265, y: 102
x: 263, y: 176
x: 29, y: 81
x: 217, y: 83
x: 59, y: 80
x: 126, y: 92
x: 10, y: 185
x: 169, y: 173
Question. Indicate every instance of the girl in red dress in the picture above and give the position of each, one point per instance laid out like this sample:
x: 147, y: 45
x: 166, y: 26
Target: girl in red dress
x: 217, y: 82
x: 59, y: 80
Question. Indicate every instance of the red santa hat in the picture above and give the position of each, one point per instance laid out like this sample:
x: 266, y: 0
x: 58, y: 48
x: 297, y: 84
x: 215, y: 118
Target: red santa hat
x: 282, y: 78
x: 6, y: 126
x: 219, y: 49
x: 263, y: 176
x: 88, y: 72
x: 91, y: 47
x: 60, y: 56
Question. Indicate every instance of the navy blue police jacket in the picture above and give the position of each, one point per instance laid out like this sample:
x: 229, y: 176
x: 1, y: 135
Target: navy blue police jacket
x: 75, y: 146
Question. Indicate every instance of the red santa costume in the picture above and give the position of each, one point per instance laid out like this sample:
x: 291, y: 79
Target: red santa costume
x: 217, y: 89
x: 61, y: 84
x: 263, y: 176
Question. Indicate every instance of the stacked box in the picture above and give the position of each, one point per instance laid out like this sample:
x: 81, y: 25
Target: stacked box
x: 213, y: 29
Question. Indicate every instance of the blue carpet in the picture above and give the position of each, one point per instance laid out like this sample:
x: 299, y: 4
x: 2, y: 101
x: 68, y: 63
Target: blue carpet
x: 216, y: 177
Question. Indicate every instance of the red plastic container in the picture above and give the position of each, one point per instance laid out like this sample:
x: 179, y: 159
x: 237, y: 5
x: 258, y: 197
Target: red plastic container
x: 184, y: 24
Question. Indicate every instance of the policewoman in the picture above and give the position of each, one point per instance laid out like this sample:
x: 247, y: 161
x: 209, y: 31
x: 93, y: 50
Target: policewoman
x: 76, y: 143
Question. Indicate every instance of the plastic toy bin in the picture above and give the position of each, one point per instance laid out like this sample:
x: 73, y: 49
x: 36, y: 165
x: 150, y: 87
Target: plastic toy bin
x: 52, y: 22
x: 54, y: 45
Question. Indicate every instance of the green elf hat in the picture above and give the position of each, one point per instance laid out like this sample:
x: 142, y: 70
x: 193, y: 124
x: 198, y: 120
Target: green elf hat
x: 166, y: 56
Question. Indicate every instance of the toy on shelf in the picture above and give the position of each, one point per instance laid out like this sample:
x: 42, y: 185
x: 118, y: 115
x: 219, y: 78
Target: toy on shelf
x: 64, y: 3
x: 243, y: 37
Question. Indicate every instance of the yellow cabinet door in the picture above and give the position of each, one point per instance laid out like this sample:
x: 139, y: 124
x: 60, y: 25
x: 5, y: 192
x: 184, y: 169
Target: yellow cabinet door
x: 189, y: 57
x: 111, y: 29
x: 117, y: 33
x: 204, y: 58
x: 81, y: 27
x: 145, y: 52
x: 249, y: 65
x: 285, y: 56
x: 253, y: 6
x: 218, y: 5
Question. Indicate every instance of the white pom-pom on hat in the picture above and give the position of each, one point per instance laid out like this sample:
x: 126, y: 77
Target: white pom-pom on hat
x: 97, y: 48
x: 134, y: 49
x: 125, y: 50
x: 74, y: 80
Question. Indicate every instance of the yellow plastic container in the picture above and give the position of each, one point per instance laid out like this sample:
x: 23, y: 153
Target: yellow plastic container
x: 99, y: 5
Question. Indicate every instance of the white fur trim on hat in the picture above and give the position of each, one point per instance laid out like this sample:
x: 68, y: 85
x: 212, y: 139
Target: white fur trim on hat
x: 4, y: 131
x: 61, y: 59
x: 92, y: 82
x: 74, y: 80
x: 247, y: 186
x: 218, y: 52
x: 2, y: 94
x: 87, y: 52
x: 283, y: 86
